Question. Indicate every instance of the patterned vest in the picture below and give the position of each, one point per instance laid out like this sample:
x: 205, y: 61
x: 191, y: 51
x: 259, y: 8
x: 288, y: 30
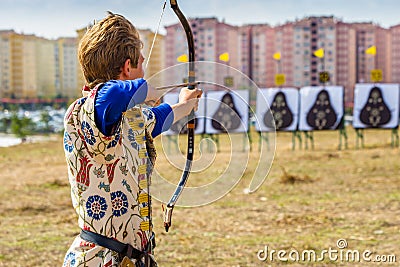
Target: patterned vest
x: 110, y: 175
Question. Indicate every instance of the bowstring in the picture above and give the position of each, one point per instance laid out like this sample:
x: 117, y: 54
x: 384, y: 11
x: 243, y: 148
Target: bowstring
x: 155, y: 35
x: 148, y: 178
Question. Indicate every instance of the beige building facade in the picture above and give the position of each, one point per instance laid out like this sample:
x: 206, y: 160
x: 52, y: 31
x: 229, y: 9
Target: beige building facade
x: 5, y: 60
x: 154, y: 63
x: 67, y: 77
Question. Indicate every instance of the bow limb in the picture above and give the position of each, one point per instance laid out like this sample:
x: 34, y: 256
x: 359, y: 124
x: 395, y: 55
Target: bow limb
x: 190, y: 124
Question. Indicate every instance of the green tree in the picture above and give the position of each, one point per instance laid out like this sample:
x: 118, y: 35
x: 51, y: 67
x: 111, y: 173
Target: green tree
x: 3, y: 125
x: 21, y: 127
x: 45, y: 118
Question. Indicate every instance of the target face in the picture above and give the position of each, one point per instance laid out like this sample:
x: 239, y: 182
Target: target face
x: 376, y: 106
x: 227, y: 111
x: 321, y: 107
x: 277, y: 108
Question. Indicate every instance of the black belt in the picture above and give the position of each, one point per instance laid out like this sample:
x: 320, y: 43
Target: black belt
x: 122, y: 248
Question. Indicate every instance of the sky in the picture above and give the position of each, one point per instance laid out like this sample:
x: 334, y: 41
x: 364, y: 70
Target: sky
x: 61, y: 18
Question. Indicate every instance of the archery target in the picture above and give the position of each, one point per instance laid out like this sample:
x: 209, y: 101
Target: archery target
x: 227, y: 111
x: 376, y: 106
x: 321, y: 108
x: 277, y: 108
x: 178, y: 127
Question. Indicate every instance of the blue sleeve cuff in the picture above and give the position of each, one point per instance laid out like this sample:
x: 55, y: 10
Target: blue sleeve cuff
x: 164, y: 119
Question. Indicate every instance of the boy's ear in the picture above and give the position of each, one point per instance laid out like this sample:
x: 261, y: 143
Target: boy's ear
x: 126, y: 69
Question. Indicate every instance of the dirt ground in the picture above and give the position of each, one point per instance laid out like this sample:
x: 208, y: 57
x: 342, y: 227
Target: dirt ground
x: 313, y: 200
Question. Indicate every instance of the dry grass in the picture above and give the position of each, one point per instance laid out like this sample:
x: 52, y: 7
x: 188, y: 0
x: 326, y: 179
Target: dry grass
x: 288, y: 178
x: 328, y: 194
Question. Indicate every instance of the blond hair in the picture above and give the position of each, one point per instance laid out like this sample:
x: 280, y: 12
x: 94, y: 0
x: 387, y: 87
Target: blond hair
x: 106, y: 46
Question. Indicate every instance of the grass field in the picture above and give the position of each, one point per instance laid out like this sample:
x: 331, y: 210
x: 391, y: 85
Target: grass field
x: 311, y: 199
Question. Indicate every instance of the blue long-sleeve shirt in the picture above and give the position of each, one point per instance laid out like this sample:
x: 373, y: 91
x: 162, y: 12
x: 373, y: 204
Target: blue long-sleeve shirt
x: 115, y: 97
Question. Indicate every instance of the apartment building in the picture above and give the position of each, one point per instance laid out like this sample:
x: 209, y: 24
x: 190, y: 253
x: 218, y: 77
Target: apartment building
x: 5, y: 59
x: 33, y: 67
x: 244, y: 49
x: 297, y: 41
x: 23, y: 66
x: 394, y: 58
x: 45, y: 68
x: 226, y: 70
x: 344, y: 45
x: 346, y: 60
x: 368, y: 35
x: 156, y: 62
x: 20, y: 57
x: 211, y: 39
x: 79, y: 74
x: 66, y: 78
x: 306, y: 36
x: 284, y: 39
x: 256, y: 47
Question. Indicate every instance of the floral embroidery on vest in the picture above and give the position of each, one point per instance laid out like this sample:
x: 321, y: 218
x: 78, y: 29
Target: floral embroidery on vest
x: 109, y: 177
